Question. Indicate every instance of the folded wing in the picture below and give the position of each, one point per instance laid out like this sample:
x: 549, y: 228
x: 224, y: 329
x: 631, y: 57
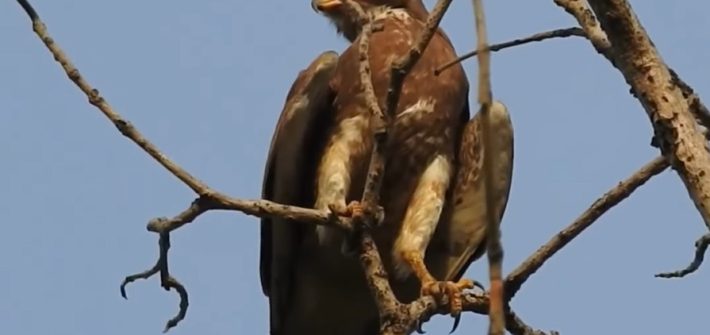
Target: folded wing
x: 288, y: 175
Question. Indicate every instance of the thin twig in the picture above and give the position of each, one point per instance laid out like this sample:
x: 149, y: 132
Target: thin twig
x: 701, y: 245
x: 166, y: 281
x: 534, y: 262
x: 496, y: 310
x: 539, y: 37
x: 258, y: 208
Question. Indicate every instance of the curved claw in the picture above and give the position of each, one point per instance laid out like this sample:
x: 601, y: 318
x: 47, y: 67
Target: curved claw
x: 479, y: 285
x: 457, y: 320
x: 419, y: 327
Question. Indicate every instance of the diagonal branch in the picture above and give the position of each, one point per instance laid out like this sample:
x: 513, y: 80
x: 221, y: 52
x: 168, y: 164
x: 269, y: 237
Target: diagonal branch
x: 623, y: 190
x: 671, y: 105
x: 539, y: 37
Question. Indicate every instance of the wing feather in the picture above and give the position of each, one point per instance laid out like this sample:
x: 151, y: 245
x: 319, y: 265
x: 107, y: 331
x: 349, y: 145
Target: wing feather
x: 288, y: 176
x: 467, y: 226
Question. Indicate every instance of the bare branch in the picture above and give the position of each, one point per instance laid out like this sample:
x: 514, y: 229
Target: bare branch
x: 539, y: 37
x: 260, y: 208
x: 425, y: 307
x: 623, y: 190
x: 586, y: 19
x: 702, y: 115
x: 676, y: 131
x: 701, y: 245
x: 166, y: 281
x: 496, y: 309
x: 516, y: 326
x: 594, y: 33
x: 672, y: 106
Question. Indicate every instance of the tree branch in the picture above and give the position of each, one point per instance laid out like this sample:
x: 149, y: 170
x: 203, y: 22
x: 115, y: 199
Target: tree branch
x: 496, y: 309
x: 623, y: 190
x: 701, y: 245
x: 665, y: 97
x: 539, y: 37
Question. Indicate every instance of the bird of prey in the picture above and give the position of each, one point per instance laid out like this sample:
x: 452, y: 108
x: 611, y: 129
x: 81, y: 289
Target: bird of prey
x: 432, y: 188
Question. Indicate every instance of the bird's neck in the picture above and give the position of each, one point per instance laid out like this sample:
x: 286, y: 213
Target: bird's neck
x: 351, y: 28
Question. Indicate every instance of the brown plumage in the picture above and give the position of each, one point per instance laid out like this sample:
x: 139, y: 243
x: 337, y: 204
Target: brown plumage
x: 319, y: 157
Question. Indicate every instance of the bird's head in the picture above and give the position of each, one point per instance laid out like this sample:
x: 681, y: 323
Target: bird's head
x: 347, y: 23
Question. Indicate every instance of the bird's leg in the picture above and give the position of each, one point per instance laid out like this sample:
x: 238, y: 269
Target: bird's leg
x: 418, y: 226
x: 438, y: 289
x: 334, y: 173
x: 353, y: 209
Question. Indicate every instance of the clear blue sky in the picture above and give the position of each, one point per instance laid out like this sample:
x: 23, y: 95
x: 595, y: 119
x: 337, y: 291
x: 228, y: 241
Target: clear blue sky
x: 206, y: 80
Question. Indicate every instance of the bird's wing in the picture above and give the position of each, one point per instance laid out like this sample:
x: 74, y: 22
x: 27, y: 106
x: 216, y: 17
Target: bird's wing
x: 288, y: 176
x: 467, y: 227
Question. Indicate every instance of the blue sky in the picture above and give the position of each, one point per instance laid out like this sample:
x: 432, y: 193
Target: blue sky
x: 205, y: 80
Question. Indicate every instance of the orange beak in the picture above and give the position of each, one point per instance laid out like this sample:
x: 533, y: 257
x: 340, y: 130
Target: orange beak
x: 326, y: 5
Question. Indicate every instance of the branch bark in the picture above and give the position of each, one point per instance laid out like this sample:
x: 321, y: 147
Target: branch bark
x: 539, y: 37
x: 669, y: 102
x: 494, y: 248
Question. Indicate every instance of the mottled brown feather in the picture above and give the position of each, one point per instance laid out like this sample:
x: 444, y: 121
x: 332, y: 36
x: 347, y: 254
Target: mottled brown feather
x: 320, y: 290
x: 294, y: 144
x: 460, y: 237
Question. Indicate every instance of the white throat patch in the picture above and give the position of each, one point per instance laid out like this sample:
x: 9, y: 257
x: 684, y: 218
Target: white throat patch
x: 383, y: 12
